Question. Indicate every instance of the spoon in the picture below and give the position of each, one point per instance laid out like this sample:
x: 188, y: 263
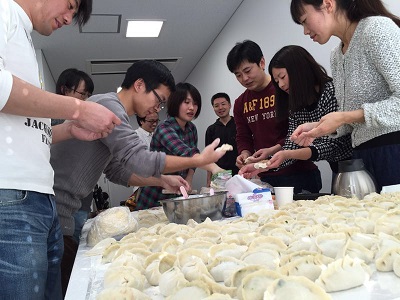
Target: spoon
x: 184, y: 192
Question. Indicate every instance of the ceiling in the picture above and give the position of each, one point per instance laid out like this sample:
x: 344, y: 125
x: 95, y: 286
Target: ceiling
x: 190, y: 28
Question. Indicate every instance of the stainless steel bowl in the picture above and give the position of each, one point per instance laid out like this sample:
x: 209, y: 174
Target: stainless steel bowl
x: 197, y: 207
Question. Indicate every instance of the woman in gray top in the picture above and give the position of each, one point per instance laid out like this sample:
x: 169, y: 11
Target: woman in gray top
x: 366, y: 74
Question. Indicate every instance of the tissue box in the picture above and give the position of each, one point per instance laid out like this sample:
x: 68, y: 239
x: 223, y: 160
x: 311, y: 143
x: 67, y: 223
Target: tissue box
x: 254, y: 202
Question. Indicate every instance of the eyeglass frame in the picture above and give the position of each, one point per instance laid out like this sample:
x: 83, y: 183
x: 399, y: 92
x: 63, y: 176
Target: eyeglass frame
x: 152, y: 121
x: 84, y: 94
x: 161, y: 103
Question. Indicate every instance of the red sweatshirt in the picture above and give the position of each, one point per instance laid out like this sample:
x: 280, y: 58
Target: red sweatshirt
x: 257, y: 126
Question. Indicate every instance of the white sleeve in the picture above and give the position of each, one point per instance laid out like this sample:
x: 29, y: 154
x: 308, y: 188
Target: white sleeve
x: 6, y: 79
x: 6, y: 82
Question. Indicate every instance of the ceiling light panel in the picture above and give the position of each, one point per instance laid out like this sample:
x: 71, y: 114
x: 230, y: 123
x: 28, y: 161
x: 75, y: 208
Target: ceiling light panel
x: 144, y: 28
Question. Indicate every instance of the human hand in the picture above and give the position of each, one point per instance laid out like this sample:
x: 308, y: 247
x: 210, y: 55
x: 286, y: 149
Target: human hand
x: 174, y: 182
x: 209, y: 155
x: 276, y: 160
x: 80, y: 133
x: 258, y: 156
x: 96, y: 118
x: 299, y: 135
x: 240, y: 160
x: 249, y: 171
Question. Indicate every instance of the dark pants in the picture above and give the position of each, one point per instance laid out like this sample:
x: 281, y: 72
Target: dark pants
x: 303, y: 181
x: 383, y: 163
x: 68, y: 259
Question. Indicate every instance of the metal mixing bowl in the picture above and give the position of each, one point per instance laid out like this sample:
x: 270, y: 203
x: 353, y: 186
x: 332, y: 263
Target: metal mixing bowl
x: 197, y: 207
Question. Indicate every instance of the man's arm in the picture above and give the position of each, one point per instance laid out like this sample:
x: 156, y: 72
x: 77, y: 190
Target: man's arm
x: 28, y: 100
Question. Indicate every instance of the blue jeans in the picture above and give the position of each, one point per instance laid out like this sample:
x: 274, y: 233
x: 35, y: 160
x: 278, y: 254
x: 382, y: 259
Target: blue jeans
x: 80, y: 217
x: 31, y: 246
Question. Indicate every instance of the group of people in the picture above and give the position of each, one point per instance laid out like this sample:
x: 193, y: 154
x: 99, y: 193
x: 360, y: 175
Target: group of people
x: 294, y: 115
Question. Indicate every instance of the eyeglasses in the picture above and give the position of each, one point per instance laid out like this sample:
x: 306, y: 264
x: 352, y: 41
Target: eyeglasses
x: 83, y: 94
x: 152, y: 121
x: 161, y: 102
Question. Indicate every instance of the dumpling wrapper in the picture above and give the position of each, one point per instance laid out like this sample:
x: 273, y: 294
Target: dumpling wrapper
x: 225, y: 147
x: 261, y: 164
x: 295, y: 288
x: 343, y: 274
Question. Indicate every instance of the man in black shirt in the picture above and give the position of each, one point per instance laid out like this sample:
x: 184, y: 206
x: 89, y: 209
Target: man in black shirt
x: 225, y: 129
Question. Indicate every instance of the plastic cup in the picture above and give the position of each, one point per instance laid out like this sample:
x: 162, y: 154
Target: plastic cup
x: 283, y: 195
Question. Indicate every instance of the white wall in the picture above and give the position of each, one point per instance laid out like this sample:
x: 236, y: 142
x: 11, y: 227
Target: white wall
x: 47, y: 80
x: 269, y: 24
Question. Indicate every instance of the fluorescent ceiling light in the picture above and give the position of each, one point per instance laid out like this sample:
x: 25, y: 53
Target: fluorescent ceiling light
x: 143, y: 28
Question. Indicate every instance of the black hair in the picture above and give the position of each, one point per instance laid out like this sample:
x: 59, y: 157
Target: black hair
x: 180, y: 95
x: 140, y: 120
x: 220, y: 95
x: 355, y: 10
x: 153, y: 74
x: 246, y: 50
x: 84, y: 11
x: 307, y: 79
x: 70, y: 79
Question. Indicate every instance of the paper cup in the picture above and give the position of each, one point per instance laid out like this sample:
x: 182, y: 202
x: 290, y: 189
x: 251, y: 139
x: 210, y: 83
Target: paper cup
x: 283, y: 195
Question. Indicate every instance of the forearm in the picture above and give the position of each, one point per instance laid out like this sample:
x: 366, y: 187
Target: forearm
x: 40, y: 103
x: 61, y: 133
x: 189, y: 176
x: 275, y: 149
x: 299, y: 154
x: 178, y: 163
x: 213, y: 168
x: 136, y: 180
x: 354, y: 116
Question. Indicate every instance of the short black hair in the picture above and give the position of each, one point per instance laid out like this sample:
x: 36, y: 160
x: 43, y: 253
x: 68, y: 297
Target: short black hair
x: 220, y: 95
x: 246, y: 50
x: 153, y: 74
x: 140, y: 120
x: 84, y: 11
x: 180, y: 95
x: 70, y: 78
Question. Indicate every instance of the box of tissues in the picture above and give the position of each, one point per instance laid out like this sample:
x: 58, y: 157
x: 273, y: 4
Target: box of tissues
x: 253, y: 202
x: 249, y: 197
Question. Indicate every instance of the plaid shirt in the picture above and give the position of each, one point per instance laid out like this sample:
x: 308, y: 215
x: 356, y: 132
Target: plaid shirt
x: 325, y: 148
x: 170, y: 138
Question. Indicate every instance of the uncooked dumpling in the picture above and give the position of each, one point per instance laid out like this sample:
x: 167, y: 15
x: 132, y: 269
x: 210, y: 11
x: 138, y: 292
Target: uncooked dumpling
x: 121, y: 292
x: 225, y: 147
x: 343, y: 274
x: 295, y: 288
x: 124, y: 276
x: 255, y: 284
x: 195, y: 290
x: 171, y: 279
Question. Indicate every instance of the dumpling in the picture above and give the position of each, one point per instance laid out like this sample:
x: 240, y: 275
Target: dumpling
x: 266, y: 258
x: 195, y: 290
x: 128, y: 259
x: 235, y: 280
x: 156, y: 265
x: 396, y: 266
x: 295, y: 288
x: 218, y: 288
x: 217, y: 296
x: 124, y: 276
x: 308, y: 266
x: 222, y: 267
x: 99, y: 248
x: 186, y: 255
x: 267, y: 242
x: 356, y: 250
x: 343, y: 274
x: 194, y: 269
x: 109, y: 252
x: 171, y: 279
x: 385, y: 262
x: 255, y: 284
x: 231, y: 250
x: 121, y: 292
x: 331, y: 244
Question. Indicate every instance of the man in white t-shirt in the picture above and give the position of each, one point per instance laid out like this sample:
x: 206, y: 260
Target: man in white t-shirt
x: 30, y: 236
x: 147, y: 125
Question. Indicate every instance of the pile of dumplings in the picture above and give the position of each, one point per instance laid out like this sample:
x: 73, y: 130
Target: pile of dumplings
x: 306, y: 250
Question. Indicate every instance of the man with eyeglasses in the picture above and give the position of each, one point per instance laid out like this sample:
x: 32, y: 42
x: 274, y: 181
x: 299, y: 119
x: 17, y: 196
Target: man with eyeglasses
x: 122, y: 156
x: 74, y: 83
x: 147, y: 125
x: 224, y: 128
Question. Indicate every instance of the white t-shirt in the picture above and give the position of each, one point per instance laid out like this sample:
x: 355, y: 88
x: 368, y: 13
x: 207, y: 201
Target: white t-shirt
x: 145, y: 136
x: 25, y: 141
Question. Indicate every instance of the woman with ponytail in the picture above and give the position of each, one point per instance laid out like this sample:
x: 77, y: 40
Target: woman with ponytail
x: 366, y: 74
